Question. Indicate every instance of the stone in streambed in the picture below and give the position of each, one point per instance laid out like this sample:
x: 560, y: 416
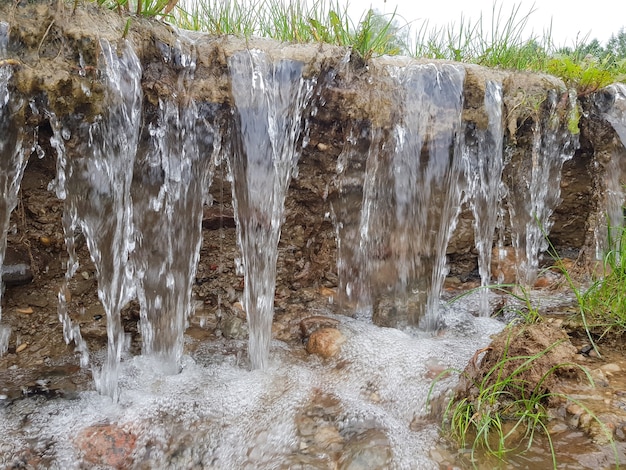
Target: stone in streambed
x: 16, y: 269
x: 325, y: 342
x: 107, y: 444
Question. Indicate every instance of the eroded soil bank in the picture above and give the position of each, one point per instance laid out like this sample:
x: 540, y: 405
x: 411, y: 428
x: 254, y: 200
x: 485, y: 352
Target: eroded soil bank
x: 53, y: 54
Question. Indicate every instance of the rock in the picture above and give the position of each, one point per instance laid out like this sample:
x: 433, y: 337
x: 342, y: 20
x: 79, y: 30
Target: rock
x: 503, y: 265
x: 325, y: 342
x: 106, y: 444
x: 328, y: 438
x: 310, y: 324
x: 370, y: 450
x: 16, y: 269
x: 232, y: 327
x: 610, y: 368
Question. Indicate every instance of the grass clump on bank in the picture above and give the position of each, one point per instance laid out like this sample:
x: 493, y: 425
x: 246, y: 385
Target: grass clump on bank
x: 604, y: 303
x: 500, y: 406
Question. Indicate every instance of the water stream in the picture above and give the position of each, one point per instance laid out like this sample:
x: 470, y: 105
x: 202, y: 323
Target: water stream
x: 410, y: 199
x: 14, y: 152
x: 534, y: 189
x: 96, y: 181
x: 269, y: 100
x: 174, y: 167
x: 483, y: 154
x: 608, y: 232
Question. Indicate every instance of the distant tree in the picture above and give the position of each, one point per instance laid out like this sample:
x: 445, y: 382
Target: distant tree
x: 616, y: 46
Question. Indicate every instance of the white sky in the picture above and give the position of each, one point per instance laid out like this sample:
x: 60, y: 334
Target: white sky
x: 570, y: 18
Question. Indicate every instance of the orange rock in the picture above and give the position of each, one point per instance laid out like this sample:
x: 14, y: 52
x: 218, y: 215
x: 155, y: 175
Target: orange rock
x: 107, y: 444
x: 325, y: 342
x: 503, y: 265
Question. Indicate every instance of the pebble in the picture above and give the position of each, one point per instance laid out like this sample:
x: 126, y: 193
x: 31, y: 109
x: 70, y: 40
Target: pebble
x: 322, y: 147
x: 611, y: 368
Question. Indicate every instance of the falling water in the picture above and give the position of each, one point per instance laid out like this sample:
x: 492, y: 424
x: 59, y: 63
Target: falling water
x: 411, y: 196
x: 95, y: 184
x: 483, y: 154
x: 269, y: 98
x: 173, y: 169
x: 534, y: 187
x: 13, y: 157
x: 615, y: 173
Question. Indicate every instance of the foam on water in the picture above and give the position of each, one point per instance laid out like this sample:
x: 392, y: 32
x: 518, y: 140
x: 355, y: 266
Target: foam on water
x: 14, y: 152
x: 269, y: 99
x: 216, y: 414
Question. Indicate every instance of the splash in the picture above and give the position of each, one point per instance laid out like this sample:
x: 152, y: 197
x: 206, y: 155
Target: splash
x: 173, y: 169
x: 411, y: 198
x: 483, y: 155
x: 95, y: 184
x: 269, y: 98
x: 534, y: 186
x: 14, y: 154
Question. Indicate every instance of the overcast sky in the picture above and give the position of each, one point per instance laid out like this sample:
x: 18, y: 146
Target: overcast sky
x: 570, y: 18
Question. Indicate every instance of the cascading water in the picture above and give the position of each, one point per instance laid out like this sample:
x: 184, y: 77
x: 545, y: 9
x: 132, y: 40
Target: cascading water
x: 411, y: 196
x: 615, y: 172
x: 13, y: 157
x: 95, y: 184
x: 483, y: 155
x: 269, y: 99
x: 173, y: 168
x: 534, y: 186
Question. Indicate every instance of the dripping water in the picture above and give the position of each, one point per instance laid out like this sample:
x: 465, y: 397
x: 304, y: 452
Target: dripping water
x: 534, y: 186
x: 483, y: 154
x: 14, y: 152
x: 269, y: 98
x: 95, y: 184
x: 173, y: 169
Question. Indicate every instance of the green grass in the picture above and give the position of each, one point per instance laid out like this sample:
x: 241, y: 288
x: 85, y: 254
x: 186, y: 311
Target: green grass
x: 499, y: 39
x: 604, y: 303
x: 505, y: 411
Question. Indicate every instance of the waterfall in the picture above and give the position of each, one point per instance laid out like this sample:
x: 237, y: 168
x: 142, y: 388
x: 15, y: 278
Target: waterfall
x: 615, y: 172
x: 484, y: 164
x: 95, y: 183
x: 14, y: 154
x: 269, y: 99
x: 534, y: 186
x: 410, y: 199
x: 173, y: 168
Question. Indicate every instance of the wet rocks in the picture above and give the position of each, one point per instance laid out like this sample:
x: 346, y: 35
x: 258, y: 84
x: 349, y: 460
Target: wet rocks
x: 325, y: 342
x: 106, y: 444
x: 16, y: 269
